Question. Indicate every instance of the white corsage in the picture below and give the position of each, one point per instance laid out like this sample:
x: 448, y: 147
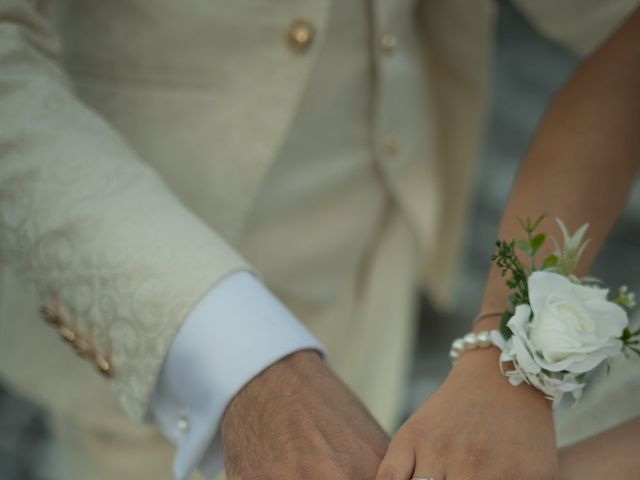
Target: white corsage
x: 559, y: 327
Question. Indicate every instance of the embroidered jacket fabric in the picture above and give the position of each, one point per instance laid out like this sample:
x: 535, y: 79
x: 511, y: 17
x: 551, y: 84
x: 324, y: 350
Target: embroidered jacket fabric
x: 88, y: 223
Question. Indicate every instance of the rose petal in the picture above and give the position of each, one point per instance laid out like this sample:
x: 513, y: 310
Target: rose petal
x: 541, y: 285
x: 524, y: 357
x: 611, y: 319
x: 520, y: 320
x: 579, y: 363
x: 586, y: 293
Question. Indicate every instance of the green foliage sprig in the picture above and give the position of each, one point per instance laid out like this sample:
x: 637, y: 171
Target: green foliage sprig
x: 511, y: 267
x: 517, y: 272
x: 631, y: 341
x: 630, y: 337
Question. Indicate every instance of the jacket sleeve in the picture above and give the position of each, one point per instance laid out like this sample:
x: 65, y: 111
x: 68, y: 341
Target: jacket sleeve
x: 579, y: 25
x: 110, y: 249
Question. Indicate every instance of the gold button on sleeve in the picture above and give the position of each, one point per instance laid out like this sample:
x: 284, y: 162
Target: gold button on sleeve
x: 50, y: 315
x: 68, y: 334
x: 104, y: 366
x: 300, y: 35
x: 83, y: 348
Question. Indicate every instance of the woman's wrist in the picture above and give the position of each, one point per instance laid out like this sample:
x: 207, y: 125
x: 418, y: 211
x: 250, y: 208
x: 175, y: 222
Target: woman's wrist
x: 480, y: 361
x: 481, y: 366
x: 487, y: 321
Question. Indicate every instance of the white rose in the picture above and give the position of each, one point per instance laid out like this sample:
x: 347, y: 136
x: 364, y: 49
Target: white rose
x: 572, y: 328
x: 568, y: 329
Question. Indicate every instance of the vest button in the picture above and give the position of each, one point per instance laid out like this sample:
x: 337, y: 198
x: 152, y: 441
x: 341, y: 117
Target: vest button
x: 300, y: 35
x: 391, y: 145
x: 388, y: 42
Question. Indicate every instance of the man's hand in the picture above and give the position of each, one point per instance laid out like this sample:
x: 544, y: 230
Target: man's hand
x: 476, y: 426
x: 297, y: 420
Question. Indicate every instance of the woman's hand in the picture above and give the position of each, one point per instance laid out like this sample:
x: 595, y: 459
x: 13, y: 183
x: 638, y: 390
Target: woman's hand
x: 476, y: 426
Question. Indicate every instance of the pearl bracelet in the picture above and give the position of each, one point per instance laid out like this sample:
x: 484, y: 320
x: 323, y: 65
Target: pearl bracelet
x: 470, y: 341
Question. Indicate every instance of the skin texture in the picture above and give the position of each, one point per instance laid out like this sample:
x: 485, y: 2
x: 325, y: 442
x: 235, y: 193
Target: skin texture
x: 612, y: 454
x: 476, y: 436
x: 580, y: 168
x: 297, y: 420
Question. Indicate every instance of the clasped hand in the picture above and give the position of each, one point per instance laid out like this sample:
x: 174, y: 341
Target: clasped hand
x: 476, y: 426
x: 297, y: 420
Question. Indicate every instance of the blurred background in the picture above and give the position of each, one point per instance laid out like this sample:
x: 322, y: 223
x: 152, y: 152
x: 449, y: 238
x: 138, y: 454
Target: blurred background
x: 528, y: 70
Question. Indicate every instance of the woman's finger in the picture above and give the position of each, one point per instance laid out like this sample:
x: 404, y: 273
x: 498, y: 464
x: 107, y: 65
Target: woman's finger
x: 398, y: 462
x: 429, y: 465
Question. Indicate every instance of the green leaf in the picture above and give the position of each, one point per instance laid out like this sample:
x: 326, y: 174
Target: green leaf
x: 523, y: 245
x: 550, y: 261
x: 536, y: 242
x: 539, y: 220
x: 525, y: 226
x: 504, y: 330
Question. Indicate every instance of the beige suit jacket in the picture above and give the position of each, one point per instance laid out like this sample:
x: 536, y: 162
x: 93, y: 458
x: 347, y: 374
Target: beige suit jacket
x: 135, y: 135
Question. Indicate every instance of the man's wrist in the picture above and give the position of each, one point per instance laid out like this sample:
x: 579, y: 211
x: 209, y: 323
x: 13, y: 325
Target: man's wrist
x: 288, y: 373
x: 302, y: 359
x: 297, y: 364
x: 237, y: 330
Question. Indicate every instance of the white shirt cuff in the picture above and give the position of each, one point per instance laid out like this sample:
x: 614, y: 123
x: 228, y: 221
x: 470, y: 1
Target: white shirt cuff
x: 236, y: 331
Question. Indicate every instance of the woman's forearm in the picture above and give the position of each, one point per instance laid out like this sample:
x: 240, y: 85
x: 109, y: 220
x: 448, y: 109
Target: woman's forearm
x: 582, y: 162
x: 610, y: 454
